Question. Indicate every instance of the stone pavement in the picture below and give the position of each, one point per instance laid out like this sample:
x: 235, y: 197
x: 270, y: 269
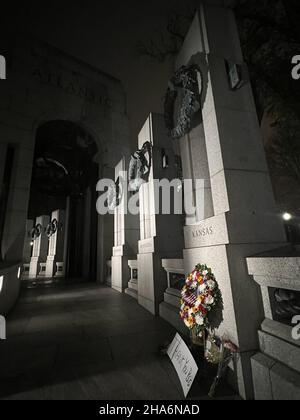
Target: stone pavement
x: 86, y: 342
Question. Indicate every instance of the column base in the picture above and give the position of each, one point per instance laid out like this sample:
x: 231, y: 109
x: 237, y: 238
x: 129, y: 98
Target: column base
x: 152, y: 282
x: 34, y: 267
x: 50, y: 267
x: 133, y: 293
x: 119, y: 273
x: 274, y: 380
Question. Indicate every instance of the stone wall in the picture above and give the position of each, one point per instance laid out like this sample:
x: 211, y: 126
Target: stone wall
x: 45, y: 84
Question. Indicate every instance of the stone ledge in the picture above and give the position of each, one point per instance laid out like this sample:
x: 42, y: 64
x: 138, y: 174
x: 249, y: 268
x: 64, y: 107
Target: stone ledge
x: 170, y: 314
x: 261, y: 366
x: 285, y: 268
x: 131, y: 292
x: 133, y: 285
x: 273, y: 380
x: 172, y: 298
x: 173, y: 266
x: 279, y: 330
x: 280, y: 350
x: 285, y: 383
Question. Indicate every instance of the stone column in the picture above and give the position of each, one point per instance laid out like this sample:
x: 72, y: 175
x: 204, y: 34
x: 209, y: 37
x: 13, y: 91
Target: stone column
x: 56, y: 244
x: 3, y: 147
x: 40, y: 248
x: 161, y: 234
x: 245, y: 219
x: 27, y: 249
x: 126, y: 233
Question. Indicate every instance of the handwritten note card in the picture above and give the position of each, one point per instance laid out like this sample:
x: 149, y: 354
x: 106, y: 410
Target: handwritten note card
x: 183, y: 362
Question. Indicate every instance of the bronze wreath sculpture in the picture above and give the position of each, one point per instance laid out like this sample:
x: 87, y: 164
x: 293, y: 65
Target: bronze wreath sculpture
x: 114, y: 195
x: 36, y: 232
x: 139, y: 167
x: 52, y: 228
x: 287, y: 303
x: 186, y: 79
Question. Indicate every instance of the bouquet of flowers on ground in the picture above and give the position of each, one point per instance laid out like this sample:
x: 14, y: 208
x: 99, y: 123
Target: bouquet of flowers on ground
x: 219, y: 352
x: 199, y: 296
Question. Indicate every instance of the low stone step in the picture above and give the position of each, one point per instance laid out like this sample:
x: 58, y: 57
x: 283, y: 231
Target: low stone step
x: 170, y: 314
x: 133, y: 285
x: 131, y: 292
x: 173, y: 298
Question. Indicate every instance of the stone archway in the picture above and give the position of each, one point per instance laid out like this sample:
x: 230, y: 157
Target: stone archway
x: 46, y: 85
x: 65, y: 172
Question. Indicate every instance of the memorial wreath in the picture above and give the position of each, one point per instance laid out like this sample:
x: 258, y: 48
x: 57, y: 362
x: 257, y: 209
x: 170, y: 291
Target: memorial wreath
x: 200, y: 295
x: 114, y: 195
x: 52, y: 227
x: 186, y: 79
x: 36, y: 232
x: 139, y: 166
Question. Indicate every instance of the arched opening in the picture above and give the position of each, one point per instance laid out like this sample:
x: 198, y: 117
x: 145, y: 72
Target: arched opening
x: 64, y: 176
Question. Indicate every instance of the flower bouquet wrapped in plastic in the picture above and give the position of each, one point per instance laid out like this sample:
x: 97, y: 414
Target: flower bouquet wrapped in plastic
x: 219, y: 352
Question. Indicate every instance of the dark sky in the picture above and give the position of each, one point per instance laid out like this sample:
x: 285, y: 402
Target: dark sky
x: 105, y: 35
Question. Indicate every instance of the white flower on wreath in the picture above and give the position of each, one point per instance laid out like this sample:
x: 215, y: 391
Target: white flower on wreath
x: 209, y: 300
x: 202, y: 288
x: 199, y: 320
x: 205, y: 272
x: 198, y: 303
x: 194, y: 285
x: 211, y: 284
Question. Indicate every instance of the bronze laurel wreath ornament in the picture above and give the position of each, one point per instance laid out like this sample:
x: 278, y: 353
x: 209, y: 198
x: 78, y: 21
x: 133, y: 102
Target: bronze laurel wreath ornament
x: 36, y: 232
x: 139, y: 167
x: 185, y: 80
x: 114, y: 195
x: 52, y: 227
x: 287, y: 303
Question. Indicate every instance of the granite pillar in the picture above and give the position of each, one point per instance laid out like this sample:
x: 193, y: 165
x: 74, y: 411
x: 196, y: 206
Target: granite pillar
x: 56, y: 244
x: 40, y: 247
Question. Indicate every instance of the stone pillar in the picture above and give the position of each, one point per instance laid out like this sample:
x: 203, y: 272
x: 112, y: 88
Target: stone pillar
x: 245, y: 219
x: 3, y: 147
x: 87, y: 233
x: 126, y: 233
x: 40, y: 248
x: 108, y: 273
x: 161, y: 234
x: 19, y: 192
x: 27, y: 249
x: 56, y: 245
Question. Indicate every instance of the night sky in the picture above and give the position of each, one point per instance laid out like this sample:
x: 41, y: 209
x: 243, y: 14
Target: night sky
x: 105, y: 34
